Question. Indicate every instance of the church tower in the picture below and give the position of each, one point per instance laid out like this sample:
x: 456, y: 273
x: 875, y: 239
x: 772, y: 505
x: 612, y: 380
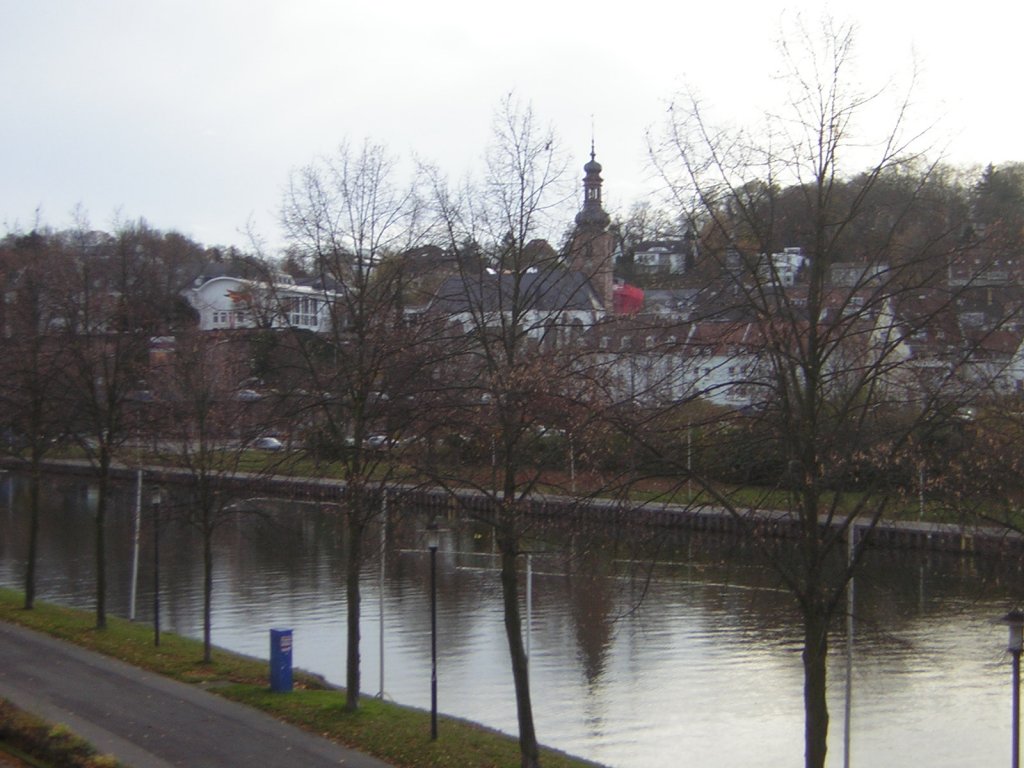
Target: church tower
x: 593, y: 246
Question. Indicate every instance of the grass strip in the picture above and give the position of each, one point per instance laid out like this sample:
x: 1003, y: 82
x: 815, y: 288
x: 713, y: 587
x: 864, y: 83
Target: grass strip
x: 396, y: 734
x: 40, y: 744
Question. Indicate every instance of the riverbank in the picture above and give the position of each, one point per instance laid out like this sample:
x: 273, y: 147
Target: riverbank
x: 393, y: 733
x: 583, y: 510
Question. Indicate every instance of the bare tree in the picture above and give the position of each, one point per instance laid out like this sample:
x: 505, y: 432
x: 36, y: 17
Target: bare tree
x: 33, y: 376
x: 79, y: 310
x: 106, y: 322
x: 202, y: 426
x: 842, y: 346
x: 348, y: 221
x: 515, y: 377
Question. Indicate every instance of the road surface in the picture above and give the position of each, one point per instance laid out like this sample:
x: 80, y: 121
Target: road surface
x: 148, y: 721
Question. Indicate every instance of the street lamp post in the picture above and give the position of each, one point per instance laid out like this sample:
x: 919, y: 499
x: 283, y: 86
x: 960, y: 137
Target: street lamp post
x: 432, y: 542
x: 155, y: 501
x: 1014, y: 620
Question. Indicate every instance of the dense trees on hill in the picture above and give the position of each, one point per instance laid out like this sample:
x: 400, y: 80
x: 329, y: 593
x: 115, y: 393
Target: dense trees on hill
x: 909, y: 209
x: 997, y: 199
x: 918, y: 205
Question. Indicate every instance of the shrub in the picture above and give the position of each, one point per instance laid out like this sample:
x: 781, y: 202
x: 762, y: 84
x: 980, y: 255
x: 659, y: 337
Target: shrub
x: 52, y: 744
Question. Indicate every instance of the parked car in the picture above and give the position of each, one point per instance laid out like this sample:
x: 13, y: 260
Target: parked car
x: 268, y: 443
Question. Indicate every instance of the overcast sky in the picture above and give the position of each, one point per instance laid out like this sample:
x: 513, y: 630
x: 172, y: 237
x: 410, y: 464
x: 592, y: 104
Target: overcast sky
x: 192, y: 113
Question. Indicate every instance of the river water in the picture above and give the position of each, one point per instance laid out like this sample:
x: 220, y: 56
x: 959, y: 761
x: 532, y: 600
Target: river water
x: 664, y: 650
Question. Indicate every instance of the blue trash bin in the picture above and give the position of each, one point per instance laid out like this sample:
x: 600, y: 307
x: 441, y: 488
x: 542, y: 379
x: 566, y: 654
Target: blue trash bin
x: 280, y: 660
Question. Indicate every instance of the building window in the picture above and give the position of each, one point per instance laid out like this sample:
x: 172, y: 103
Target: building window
x: 302, y: 312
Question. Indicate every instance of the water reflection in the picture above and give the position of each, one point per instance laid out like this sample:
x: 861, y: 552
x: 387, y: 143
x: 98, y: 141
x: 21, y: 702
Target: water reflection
x: 648, y: 648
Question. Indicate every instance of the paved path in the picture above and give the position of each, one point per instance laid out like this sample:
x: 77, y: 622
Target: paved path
x: 148, y: 721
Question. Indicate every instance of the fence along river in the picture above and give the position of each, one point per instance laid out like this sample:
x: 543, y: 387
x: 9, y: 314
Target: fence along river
x: 675, y: 649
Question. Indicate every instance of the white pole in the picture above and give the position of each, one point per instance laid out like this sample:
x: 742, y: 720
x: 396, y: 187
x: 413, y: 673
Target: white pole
x: 529, y: 607
x: 137, y: 524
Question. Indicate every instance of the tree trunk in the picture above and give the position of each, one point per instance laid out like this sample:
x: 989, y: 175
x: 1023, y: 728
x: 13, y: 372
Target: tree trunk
x: 356, y: 529
x: 33, y: 537
x: 528, y: 748
x: 815, y: 655
x: 207, y: 595
x: 101, y: 546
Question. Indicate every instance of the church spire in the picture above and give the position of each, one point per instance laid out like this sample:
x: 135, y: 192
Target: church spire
x: 593, y: 246
x: 592, y: 216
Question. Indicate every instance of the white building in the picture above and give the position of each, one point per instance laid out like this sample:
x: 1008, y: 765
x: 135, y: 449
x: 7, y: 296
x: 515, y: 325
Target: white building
x: 782, y: 268
x: 665, y: 257
x: 227, y: 302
